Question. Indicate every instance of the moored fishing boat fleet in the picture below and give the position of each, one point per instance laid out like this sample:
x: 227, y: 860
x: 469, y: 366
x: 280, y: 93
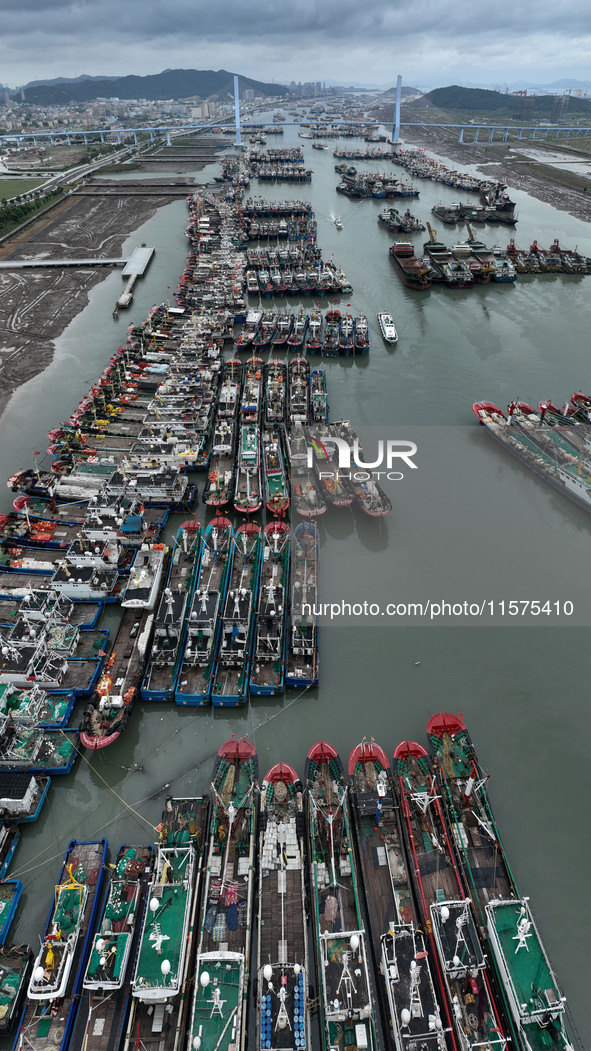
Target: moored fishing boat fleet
x: 552, y: 441
x: 209, y: 615
x: 214, y: 619
x: 421, y: 937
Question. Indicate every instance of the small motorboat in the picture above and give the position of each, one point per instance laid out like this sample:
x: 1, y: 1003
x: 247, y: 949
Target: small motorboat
x: 387, y: 327
x: 339, y: 224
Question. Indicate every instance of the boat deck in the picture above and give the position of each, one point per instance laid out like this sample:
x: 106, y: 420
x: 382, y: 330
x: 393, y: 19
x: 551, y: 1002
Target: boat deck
x: 103, y: 1011
x: 41, y: 1029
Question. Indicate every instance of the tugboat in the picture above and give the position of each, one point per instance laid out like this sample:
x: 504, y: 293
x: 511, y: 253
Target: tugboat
x: 283, y: 958
x: 347, y: 1009
x: 220, y: 997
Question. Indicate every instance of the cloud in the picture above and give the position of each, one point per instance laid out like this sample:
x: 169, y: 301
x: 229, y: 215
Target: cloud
x: 344, y: 39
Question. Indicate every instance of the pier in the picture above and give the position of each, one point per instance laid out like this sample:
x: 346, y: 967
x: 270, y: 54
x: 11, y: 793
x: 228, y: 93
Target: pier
x: 134, y: 268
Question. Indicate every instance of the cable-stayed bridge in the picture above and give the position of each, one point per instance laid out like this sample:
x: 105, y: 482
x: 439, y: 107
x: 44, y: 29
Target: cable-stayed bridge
x: 479, y: 131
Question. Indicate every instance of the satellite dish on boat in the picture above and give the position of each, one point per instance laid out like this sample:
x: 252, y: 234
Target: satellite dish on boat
x: 445, y: 913
x: 267, y: 972
x: 405, y: 1016
x: 197, y: 1043
x: 39, y: 974
x: 296, y: 968
x: 165, y: 967
x: 204, y: 979
x: 354, y: 942
x: 154, y: 903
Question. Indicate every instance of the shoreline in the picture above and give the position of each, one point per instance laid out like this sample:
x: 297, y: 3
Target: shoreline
x: 506, y: 163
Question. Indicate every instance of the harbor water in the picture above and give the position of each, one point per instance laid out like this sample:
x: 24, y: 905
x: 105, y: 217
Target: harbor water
x: 470, y: 524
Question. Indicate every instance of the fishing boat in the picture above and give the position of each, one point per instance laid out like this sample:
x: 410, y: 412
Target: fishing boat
x: 283, y: 974
x: 387, y: 327
x: 268, y: 655
x: 59, y: 966
x: 35, y: 706
x: 333, y: 484
x: 251, y: 400
x: 347, y: 1006
x: 298, y: 334
x: 504, y: 917
x: 15, y: 967
x: 298, y: 409
x: 480, y: 852
x: 447, y: 912
x: 200, y: 642
x: 531, y: 988
x: 331, y: 334
x: 285, y: 320
x: 159, y: 995
x: 219, y: 488
x: 275, y: 374
x: 276, y: 486
x: 106, y: 715
x: 28, y: 749
x: 21, y: 797
x: 230, y: 680
x: 10, y: 893
x: 407, y: 989
x: 104, y: 1000
x: 361, y: 334
x: 302, y: 648
x: 346, y: 336
x: 367, y: 492
x: 144, y: 580
x: 220, y: 997
x: 248, y: 496
x: 253, y: 319
x: 160, y: 964
x: 315, y: 336
x: 305, y: 496
x: 169, y: 622
x: 563, y: 475
x: 319, y: 411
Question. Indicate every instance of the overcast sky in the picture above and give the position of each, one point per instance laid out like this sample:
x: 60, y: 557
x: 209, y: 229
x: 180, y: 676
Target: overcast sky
x: 430, y: 42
